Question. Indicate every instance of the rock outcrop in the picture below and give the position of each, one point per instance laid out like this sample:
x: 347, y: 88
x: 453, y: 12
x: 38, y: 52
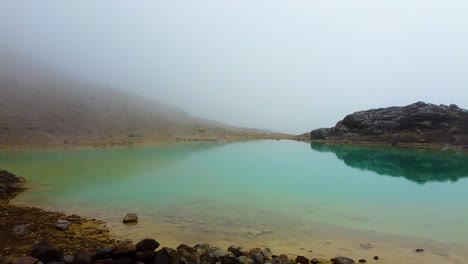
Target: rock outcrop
x: 414, y: 123
x: 9, y: 184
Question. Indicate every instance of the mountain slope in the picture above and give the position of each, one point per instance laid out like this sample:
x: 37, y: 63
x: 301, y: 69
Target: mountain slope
x: 41, y: 107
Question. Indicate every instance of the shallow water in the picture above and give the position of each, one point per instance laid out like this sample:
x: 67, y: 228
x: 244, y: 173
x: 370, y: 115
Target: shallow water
x: 263, y: 193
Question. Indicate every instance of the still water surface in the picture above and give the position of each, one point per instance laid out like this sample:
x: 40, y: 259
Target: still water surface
x: 255, y: 192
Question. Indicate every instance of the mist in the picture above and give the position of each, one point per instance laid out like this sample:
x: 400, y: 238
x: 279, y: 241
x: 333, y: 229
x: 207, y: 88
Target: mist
x: 287, y: 66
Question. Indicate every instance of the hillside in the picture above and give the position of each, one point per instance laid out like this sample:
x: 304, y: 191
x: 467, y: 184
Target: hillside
x: 39, y: 106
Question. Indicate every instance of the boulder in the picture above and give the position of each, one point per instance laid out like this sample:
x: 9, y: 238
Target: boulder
x: 343, y: 260
x: 130, y: 218
x: 147, y: 245
x: 25, y: 260
x: 257, y: 257
x: 164, y: 256
x: 302, y: 260
x: 145, y: 257
x: 267, y: 253
x: 124, y: 247
x: 236, y: 251
x: 83, y: 257
x: 245, y: 260
x: 102, y: 253
x: 47, y: 253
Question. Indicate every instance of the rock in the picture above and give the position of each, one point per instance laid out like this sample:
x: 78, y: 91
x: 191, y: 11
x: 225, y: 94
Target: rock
x: 124, y: 247
x: 302, y: 260
x: 186, y: 255
x: 218, y: 254
x: 362, y: 261
x: 146, y: 257
x: 267, y: 253
x: 68, y: 259
x: 124, y: 260
x: 376, y: 257
x: 201, y: 249
x: 8, y: 182
x: 321, y: 133
x: 314, y: 261
x: 147, y: 245
x: 283, y: 258
x: 257, y: 257
x: 236, y: 251
x: 62, y: 224
x: 130, y: 218
x: 21, y: 230
x: 433, y: 123
x: 102, y: 253
x: 47, y: 253
x: 83, y: 257
x: 104, y: 261
x: 230, y: 260
x: 25, y: 260
x: 164, y: 256
x: 245, y: 260
x: 343, y: 260
x: 5, y: 260
x: 419, y: 250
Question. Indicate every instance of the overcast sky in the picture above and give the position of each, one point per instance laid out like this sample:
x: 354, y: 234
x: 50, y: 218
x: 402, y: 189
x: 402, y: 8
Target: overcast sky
x: 286, y: 65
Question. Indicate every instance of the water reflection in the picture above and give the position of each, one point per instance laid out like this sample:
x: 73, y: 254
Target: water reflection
x: 419, y: 166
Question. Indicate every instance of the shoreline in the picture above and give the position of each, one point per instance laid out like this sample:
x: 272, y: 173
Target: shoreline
x: 148, y: 141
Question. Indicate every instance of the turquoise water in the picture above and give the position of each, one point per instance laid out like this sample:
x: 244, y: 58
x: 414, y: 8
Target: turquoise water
x: 257, y: 191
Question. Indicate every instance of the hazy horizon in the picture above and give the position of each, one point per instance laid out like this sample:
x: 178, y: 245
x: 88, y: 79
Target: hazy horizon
x: 287, y: 66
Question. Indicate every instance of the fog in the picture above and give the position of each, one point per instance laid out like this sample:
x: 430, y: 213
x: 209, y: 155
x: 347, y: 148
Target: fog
x: 287, y: 66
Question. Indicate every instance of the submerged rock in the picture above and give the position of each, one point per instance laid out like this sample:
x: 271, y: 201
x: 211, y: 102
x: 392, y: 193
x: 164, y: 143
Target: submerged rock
x: 130, y: 218
x: 343, y: 260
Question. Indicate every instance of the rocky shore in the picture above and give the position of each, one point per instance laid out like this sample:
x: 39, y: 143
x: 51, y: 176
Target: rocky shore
x: 418, y: 124
x: 34, y: 236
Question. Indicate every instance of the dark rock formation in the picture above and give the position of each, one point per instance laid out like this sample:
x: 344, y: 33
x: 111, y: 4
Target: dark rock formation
x: 415, y: 123
x: 9, y: 184
x: 147, y: 245
x: 47, y: 253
